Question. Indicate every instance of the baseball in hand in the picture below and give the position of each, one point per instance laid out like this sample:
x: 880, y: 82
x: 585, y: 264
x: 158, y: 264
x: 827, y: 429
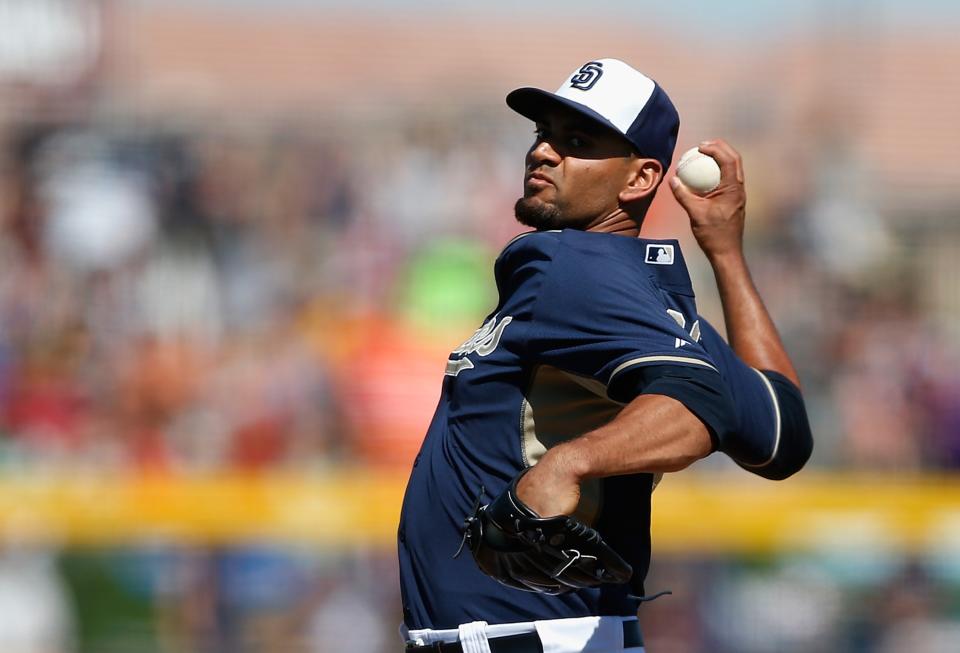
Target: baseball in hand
x: 698, y: 171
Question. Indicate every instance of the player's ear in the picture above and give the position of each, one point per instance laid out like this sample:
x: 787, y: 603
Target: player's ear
x: 643, y: 177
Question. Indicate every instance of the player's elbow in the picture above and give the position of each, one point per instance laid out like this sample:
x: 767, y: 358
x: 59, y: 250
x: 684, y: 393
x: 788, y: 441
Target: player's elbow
x: 678, y: 463
x: 795, y: 445
x: 789, y: 461
x: 694, y: 445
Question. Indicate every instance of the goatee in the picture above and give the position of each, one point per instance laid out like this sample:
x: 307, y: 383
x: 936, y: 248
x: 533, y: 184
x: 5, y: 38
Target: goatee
x: 537, y: 214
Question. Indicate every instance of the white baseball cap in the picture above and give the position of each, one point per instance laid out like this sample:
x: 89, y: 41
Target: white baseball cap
x: 616, y: 95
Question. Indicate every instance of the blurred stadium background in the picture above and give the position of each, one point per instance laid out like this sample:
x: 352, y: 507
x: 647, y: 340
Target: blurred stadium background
x: 238, y: 240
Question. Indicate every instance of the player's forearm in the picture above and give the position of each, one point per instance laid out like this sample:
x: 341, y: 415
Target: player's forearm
x: 717, y: 221
x: 750, y: 329
x: 653, y: 433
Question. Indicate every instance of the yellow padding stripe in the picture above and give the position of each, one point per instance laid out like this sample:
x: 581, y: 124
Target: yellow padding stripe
x: 731, y: 512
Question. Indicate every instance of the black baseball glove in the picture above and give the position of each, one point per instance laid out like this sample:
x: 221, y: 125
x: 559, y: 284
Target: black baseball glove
x: 554, y: 555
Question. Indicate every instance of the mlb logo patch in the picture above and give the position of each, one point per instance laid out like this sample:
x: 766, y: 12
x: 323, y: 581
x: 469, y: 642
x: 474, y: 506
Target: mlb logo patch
x: 659, y: 254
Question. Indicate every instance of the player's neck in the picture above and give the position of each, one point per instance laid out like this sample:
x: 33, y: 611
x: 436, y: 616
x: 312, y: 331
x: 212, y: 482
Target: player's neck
x: 619, y: 223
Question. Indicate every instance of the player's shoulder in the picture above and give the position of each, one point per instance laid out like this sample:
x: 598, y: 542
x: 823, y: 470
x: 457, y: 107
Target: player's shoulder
x: 574, y: 245
x: 530, y: 252
x: 589, y: 258
x: 663, y: 261
x: 659, y: 261
x: 532, y: 241
x: 564, y: 253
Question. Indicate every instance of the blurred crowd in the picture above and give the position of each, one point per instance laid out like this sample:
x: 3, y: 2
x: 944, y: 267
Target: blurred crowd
x: 202, y: 298
x: 254, y: 599
x: 246, y: 241
x: 193, y: 297
x: 186, y: 300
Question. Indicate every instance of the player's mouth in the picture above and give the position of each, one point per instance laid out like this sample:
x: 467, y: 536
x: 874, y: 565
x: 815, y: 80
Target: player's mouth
x: 538, y: 180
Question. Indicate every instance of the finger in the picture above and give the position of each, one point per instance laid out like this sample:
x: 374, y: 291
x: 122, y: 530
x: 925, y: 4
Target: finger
x: 725, y: 157
x: 731, y: 165
x: 686, y: 197
x: 730, y: 150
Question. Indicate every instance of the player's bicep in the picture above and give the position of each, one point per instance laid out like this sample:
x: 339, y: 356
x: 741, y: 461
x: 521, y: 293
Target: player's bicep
x: 700, y: 389
x: 772, y: 436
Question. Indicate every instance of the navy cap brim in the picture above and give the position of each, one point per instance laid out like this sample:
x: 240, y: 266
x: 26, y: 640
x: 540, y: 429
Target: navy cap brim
x: 533, y: 103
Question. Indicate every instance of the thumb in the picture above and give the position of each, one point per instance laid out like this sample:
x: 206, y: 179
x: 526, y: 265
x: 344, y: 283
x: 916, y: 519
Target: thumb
x: 686, y: 197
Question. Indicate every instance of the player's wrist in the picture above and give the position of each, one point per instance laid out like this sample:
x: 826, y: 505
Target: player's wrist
x: 566, y: 464
x: 729, y: 259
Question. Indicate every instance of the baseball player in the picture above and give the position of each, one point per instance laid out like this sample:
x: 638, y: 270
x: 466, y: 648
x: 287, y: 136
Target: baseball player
x: 525, y: 524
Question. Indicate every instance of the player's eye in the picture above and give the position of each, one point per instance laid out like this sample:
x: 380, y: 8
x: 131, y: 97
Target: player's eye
x: 576, y: 141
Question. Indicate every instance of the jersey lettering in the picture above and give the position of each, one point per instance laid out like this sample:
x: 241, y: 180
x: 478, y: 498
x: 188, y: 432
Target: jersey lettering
x: 682, y: 321
x: 483, y: 343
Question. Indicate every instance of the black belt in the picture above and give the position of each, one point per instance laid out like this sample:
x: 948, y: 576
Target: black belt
x: 523, y: 643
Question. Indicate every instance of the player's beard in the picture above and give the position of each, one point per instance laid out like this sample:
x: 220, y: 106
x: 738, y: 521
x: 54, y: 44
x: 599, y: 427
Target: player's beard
x: 538, y: 214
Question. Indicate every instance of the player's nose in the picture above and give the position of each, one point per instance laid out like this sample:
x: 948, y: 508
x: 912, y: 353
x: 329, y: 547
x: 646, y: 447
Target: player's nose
x: 542, y: 153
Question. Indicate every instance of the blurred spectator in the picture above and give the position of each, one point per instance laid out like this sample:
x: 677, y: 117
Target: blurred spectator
x: 35, y: 613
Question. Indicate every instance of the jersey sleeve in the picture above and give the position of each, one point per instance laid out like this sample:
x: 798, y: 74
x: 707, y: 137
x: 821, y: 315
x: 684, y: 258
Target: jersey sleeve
x: 701, y: 390
x: 771, y: 436
x: 598, y: 319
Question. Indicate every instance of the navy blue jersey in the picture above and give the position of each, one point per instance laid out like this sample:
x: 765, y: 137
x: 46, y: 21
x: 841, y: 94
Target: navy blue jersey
x: 577, y: 311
